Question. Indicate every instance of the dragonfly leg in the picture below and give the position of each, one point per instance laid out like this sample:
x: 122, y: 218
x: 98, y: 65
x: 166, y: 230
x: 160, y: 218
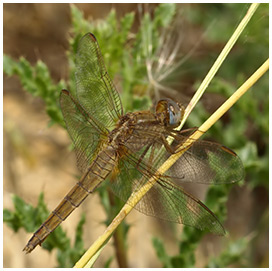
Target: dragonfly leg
x: 143, y: 155
x: 168, y: 147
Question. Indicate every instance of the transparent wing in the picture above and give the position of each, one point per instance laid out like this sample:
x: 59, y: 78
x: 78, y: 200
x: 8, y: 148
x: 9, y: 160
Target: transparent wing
x: 204, y: 162
x: 87, y: 135
x: 164, y: 200
x: 170, y: 202
x: 208, y: 163
x: 95, y: 90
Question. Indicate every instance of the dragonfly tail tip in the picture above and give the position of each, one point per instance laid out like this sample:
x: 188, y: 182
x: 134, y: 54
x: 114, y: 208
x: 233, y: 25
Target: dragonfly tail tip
x: 27, y: 249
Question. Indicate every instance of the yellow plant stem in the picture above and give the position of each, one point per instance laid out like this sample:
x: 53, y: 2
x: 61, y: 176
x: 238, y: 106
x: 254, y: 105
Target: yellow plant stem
x: 135, y: 197
x: 217, y: 64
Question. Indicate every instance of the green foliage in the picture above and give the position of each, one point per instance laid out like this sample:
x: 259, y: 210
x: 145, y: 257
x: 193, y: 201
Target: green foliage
x: 125, y: 55
x: 37, y: 81
x: 186, y: 256
x: 144, y: 47
x: 161, y: 253
x: 235, y: 252
x: 250, y: 113
x: 30, y: 218
x: 25, y: 216
x: 108, y: 262
x: 122, y: 57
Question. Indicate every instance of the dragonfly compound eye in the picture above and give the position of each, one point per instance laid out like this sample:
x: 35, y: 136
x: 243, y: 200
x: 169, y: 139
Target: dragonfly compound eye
x: 173, y: 112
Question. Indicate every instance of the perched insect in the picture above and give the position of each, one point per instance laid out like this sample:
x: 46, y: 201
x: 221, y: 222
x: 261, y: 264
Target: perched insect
x: 129, y: 148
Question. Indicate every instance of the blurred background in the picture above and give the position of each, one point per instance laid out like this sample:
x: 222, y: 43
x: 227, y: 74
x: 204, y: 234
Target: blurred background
x: 37, y: 151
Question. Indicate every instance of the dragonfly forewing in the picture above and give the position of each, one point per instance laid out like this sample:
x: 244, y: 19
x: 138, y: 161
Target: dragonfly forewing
x: 95, y: 90
x: 85, y: 131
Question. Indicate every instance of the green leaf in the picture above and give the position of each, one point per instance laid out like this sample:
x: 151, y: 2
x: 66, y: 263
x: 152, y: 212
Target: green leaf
x: 37, y: 81
x: 30, y: 218
x: 126, y: 24
x: 164, y: 14
x: 12, y: 221
x: 108, y: 262
x: 234, y: 253
x: 161, y: 253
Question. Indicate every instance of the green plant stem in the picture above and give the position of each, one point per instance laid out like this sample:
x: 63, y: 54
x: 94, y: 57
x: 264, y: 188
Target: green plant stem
x: 119, y: 239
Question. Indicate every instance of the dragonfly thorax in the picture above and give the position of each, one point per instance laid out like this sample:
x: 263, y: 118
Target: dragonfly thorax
x: 172, y: 112
x: 135, y: 130
x: 122, y: 129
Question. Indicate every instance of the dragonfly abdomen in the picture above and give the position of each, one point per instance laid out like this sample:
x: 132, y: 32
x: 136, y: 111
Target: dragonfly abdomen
x: 96, y: 173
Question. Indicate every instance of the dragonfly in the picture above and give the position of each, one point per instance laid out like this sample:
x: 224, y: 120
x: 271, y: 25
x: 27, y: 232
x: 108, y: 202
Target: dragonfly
x: 127, y: 149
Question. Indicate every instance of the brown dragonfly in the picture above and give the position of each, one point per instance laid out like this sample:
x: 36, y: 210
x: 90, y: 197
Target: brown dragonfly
x: 127, y: 149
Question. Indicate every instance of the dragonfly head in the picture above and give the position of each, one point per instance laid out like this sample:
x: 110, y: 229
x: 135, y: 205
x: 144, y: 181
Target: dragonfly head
x: 173, y: 112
